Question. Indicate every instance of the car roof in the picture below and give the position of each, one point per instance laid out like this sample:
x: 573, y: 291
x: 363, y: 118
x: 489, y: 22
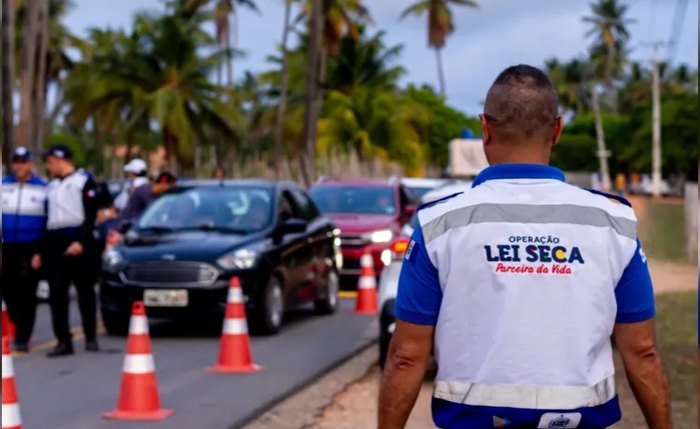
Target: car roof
x: 367, y: 183
x: 261, y: 183
x: 423, y: 181
x: 446, y: 191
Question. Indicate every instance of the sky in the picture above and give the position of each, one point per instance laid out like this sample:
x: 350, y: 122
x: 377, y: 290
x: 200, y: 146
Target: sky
x: 486, y: 40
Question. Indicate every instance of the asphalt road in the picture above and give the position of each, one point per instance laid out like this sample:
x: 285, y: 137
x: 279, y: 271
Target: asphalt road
x: 73, y: 392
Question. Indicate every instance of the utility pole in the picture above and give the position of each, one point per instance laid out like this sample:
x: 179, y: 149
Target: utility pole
x: 656, y: 167
x: 603, y: 153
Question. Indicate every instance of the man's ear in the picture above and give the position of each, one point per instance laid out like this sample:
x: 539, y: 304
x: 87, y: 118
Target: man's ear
x: 485, y: 129
x: 558, y: 128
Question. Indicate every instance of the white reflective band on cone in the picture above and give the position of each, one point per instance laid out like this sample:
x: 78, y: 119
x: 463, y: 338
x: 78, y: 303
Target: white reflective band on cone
x: 235, y: 295
x: 139, y: 364
x: 138, y: 325
x: 367, y: 283
x: 532, y: 397
x: 3, y: 306
x: 7, y: 368
x: 10, y: 416
x: 235, y: 326
x: 366, y: 261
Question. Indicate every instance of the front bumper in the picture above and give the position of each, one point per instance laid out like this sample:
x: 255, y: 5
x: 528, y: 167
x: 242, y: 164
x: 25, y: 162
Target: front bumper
x: 118, y: 297
x: 352, y: 256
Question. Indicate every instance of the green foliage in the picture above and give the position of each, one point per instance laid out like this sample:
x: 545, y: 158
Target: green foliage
x: 445, y: 124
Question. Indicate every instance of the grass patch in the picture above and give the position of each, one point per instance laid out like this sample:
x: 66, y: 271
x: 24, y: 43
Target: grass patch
x: 676, y: 325
x: 662, y: 230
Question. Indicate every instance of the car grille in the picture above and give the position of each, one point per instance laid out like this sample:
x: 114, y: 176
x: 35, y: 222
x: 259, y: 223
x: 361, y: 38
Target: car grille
x: 170, y: 273
x: 353, y: 241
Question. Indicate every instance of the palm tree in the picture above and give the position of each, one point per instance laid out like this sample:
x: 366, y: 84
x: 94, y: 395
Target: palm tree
x: 440, y: 25
x: 28, y: 70
x: 157, y: 75
x: 284, y: 82
x: 609, y: 27
x: 8, y: 73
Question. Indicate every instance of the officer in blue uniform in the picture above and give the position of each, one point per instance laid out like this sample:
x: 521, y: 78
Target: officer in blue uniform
x: 70, y: 251
x: 23, y: 223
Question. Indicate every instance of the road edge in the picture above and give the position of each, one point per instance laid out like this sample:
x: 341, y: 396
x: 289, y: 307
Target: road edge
x: 301, y: 407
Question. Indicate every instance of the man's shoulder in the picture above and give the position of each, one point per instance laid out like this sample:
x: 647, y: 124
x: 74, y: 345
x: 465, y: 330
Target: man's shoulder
x: 9, y: 179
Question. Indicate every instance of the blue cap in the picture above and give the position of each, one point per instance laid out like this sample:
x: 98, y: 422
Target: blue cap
x: 59, y: 151
x: 21, y: 154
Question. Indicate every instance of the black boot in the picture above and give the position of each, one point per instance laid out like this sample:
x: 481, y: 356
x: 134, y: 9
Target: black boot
x: 61, y: 349
x: 21, y: 347
x: 92, y: 346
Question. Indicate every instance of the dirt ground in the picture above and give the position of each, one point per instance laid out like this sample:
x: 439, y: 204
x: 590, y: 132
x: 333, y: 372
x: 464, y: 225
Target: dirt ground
x: 356, y: 406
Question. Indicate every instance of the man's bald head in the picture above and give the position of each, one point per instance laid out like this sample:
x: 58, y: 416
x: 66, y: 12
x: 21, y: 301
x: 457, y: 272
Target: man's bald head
x: 521, y: 106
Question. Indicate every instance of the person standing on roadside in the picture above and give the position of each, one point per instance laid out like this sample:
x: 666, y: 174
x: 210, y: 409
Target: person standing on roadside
x: 23, y: 223
x: 69, y: 248
x: 518, y: 285
x: 137, y: 174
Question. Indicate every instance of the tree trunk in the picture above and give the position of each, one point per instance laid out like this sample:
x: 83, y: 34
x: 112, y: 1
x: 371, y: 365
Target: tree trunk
x: 8, y: 76
x: 170, y: 147
x: 441, y: 71
x: 28, y: 74
x: 40, y: 90
x: 284, y: 83
x: 229, y: 55
x: 600, y: 134
x: 311, y: 88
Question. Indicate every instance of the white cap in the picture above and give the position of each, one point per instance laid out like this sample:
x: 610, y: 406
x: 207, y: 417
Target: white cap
x: 136, y: 166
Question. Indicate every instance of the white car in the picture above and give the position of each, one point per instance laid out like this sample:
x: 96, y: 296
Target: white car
x: 389, y: 279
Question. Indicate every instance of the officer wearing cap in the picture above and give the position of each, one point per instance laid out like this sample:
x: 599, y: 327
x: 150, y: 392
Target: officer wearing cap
x: 137, y: 174
x: 518, y: 284
x: 69, y: 252
x: 23, y: 223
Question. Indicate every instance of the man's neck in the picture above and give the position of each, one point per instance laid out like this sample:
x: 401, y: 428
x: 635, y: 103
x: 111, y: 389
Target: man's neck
x: 23, y: 179
x: 67, y: 172
x: 520, y: 154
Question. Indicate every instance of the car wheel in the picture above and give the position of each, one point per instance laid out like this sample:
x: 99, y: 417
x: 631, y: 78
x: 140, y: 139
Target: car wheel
x: 329, y: 304
x: 387, y: 322
x: 269, y: 317
x: 116, y: 324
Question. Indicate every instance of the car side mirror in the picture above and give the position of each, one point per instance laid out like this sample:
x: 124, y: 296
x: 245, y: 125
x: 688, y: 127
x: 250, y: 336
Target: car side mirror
x: 125, y: 226
x: 409, y: 210
x: 290, y: 226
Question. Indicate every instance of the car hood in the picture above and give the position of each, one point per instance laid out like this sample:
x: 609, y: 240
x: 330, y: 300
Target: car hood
x: 361, y: 223
x: 184, y: 246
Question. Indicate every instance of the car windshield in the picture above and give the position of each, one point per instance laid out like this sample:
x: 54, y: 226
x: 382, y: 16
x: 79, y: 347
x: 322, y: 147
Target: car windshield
x: 226, y: 209
x: 419, y: 191
x: 355, y: 199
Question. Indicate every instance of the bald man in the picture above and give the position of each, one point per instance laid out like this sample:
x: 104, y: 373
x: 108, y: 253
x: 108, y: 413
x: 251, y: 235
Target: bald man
x: 518, y: 285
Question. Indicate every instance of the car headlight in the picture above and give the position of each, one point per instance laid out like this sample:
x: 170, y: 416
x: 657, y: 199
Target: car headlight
x: 112, y: 257
x: 381, y: 236
x: 241, y: 259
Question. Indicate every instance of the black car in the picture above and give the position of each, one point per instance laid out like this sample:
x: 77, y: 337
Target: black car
x: 181, y: 254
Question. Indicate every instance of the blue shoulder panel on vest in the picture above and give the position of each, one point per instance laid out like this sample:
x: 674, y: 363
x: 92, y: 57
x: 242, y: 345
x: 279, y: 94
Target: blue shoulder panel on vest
x: 612, y: 196
x: 439, y: 200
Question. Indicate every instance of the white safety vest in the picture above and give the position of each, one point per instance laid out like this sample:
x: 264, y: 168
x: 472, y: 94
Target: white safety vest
x: 519, y: 277
x: 65, y: 201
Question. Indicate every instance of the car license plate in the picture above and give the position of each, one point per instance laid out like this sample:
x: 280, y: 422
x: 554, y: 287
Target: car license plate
x: 165, y: 298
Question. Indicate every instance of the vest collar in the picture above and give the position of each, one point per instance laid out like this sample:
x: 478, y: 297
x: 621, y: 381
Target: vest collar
x: 518, y: 171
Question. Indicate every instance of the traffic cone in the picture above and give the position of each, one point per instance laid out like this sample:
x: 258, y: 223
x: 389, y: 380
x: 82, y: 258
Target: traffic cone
x: 138, y: 398
x: 234, y: 352
x: 11, y: 418
x: 8, y: 328
x: 366, y: 287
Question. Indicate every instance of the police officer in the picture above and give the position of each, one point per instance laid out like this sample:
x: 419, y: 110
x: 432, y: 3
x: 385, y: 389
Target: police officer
x: 23, y: 222
x: 69, y: 252
x: 518, y: 283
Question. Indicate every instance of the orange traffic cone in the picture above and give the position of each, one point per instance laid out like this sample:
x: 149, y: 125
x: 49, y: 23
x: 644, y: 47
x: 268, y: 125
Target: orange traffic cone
x: 138, y: 399
x: 8, y: 328
x: 10, y: 403
x: 366, y: 287
x: 234, y: 352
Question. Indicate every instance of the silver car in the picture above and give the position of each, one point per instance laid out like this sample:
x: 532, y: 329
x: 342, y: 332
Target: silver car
x: 389, y: 279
